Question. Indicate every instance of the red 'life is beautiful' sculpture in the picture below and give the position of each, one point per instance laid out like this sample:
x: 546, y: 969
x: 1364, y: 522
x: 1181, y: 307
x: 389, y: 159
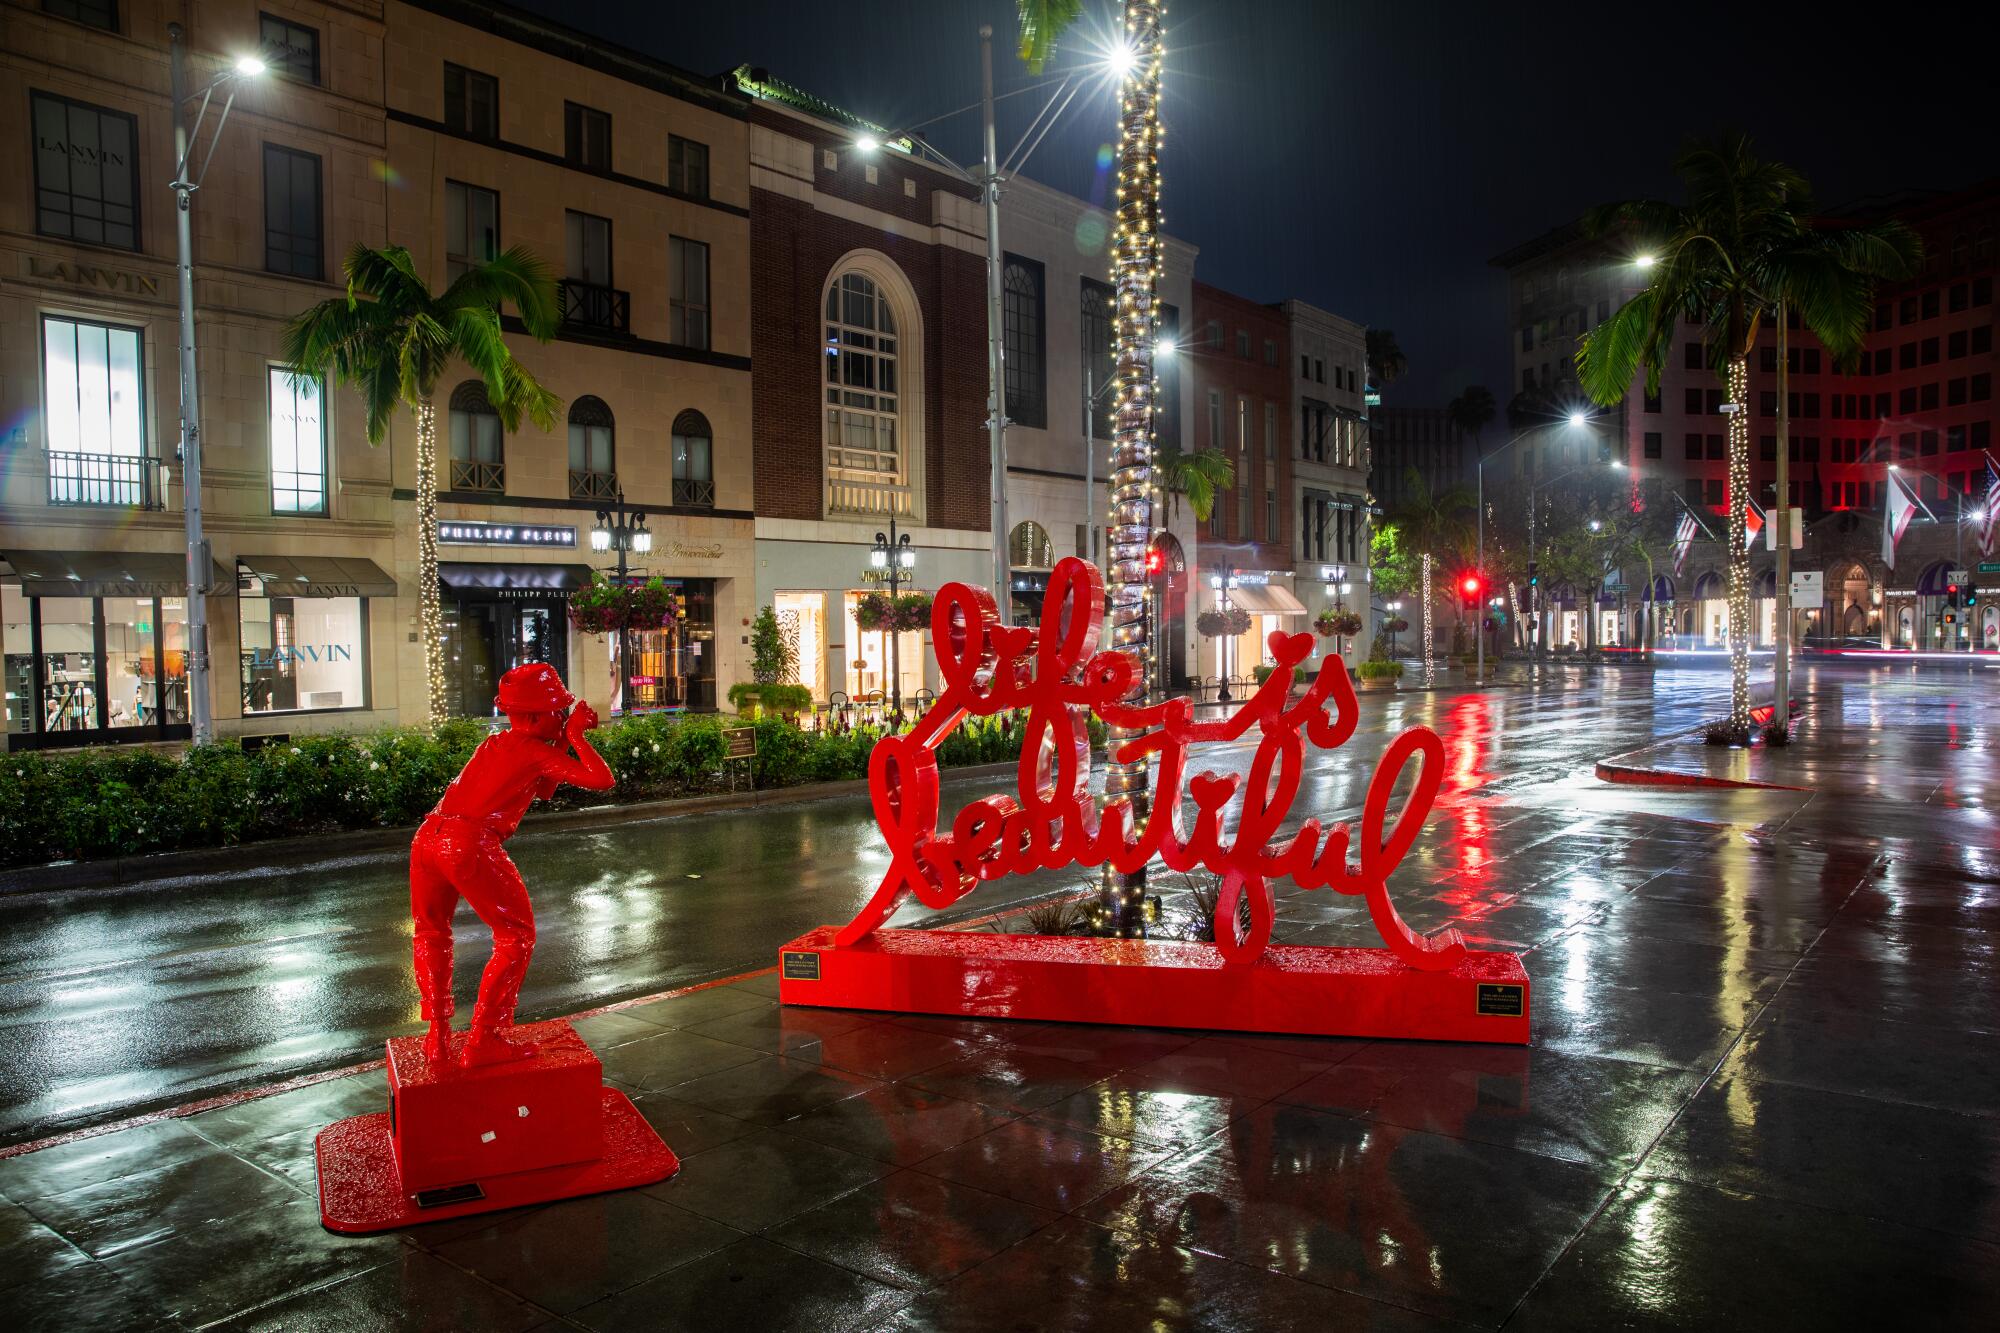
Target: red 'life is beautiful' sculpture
x: 1417, y: 986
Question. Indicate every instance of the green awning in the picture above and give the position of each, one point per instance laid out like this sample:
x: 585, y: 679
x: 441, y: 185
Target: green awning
x: 317, y: 576
x: 106, y: 574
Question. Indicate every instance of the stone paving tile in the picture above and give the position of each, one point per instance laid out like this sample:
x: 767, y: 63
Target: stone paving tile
x: 563, y: 1256
x: 601, y: 1032
x: 1580, y: 1109
x: 144, y: 1208
x: 59, y: 1289
x: 1915, y: 1165
x: 1073, y: 1275
x: 764, y: 1178
x: 899, y: 1123
x: 910, y: 1229
x: 1669, y: 1028
x: 687, y: 1128
x: 1905, y: 991
x: 315, y: 1106
x: 771, y: 1090
x: 679, y: 1011
x: 753, y: 1284
x: 1441, y: 1225
x: 1216, y: 1065
x: 783, y: 1029
x: 102, y: 1157
x: 1053, y: 1166
x: 884, y: 1051
x: 669, y: 1057
x: 1668, y: 1255
x: 1866, y: 1056
x: 413, y: 1291
x: 1127, y: 1106
x: 1011, y: 1080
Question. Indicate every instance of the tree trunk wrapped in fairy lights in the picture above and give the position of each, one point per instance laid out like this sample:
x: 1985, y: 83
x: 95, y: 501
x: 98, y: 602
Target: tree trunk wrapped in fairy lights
x: 1136, y: 254
x: 1739, y: 552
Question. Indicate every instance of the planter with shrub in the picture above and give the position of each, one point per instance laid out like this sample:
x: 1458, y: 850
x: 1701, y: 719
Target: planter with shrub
x: 755, y: 698
x: 1378, y: 674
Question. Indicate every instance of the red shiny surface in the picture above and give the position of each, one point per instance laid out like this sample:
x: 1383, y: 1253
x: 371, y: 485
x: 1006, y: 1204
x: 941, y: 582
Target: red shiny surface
x: 1057, y: 675
x: 453, y: 1124
x: 360, y: 1190
x: 1161, y: 983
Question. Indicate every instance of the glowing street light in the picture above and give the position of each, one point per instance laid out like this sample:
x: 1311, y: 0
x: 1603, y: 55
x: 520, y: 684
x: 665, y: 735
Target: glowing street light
x: 1645, y: 260
x: 249, y: 66
x: 867, y: 143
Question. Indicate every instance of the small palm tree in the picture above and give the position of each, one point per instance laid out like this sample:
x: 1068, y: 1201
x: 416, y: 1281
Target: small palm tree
x: 1742, y: 248
x: 1198, y: 477
x: 1473, y: 410
x: 1434, y: 524
x: 1042, y: 22
x: 392, y: 338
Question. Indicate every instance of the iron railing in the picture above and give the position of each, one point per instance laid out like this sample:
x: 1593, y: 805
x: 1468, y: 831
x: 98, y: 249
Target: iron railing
x: 585, y: 305
x: 694, y: 493
x: 593, y: 485
x: 115, y: 480
x: 469, y: 474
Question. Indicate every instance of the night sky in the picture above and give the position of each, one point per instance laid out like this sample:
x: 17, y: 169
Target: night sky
x: 1371, y: 157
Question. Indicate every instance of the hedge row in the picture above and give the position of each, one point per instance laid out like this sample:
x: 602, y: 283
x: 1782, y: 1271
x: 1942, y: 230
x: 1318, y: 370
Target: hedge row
x: 115, y: 801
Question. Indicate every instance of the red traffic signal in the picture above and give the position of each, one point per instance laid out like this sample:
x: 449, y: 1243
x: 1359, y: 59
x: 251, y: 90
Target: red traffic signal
x: 1156, y: 560
x: 1470, y: 585
x: 1469, y: 589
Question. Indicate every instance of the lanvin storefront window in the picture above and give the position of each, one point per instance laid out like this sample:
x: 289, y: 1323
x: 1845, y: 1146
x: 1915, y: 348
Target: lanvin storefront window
x: 303, y: 626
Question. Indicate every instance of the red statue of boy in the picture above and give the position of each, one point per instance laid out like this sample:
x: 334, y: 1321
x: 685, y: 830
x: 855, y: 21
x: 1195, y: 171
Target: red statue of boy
x: 457, y: 854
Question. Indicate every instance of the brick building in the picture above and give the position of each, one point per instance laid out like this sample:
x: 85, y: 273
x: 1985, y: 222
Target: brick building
x: 867, y: 297
x: 1921, y: 400
x: 1328, y: 362
x: 1238, y: 355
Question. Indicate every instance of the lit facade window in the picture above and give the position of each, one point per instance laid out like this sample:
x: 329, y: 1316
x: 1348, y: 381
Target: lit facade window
x: 861, y: 382
x: 298, y: 444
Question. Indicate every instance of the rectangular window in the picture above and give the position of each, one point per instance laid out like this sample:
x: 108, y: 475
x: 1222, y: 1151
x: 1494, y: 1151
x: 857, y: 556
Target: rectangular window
x: 690, y: 291
x: 1270, y: 438
x: 97, y: 13
x: 1982, y: 387
x: 290, y: 49
x: 1243, y: 343
x: 1652, y: 402
x: 1958, y: 299
x: 1713, y: 404
x: 1270, y: 352
x: 471, y: 102
x: 586, y: 137
x: 1691, y: 402
x: 1691, y: 356
x: 1767, y: 360
x: 1929, y: 351
x: 1305, y: 366
x: 1954, y: 393
x: 292, y: 239
x: 1270, y: 516
x: 303, y: 654
x: 1906, y: 356
x: 86, y: 172
x: 471, y: 227
x: 298, y: 444
x: 94, y: 414
x: 1982, y: 340
x: 587, y: 248
x: 1025, y: 328
x: 1715, y: 450
x: 1527, y: 337
x: 1767, y: 403
x: 1715, y: 490
x: 687, y: 166
x: 1930, y: 304
x: 1927, y: 443
x: 1927, y: 396
x: 1955, y: 345
x: 1812, y: 360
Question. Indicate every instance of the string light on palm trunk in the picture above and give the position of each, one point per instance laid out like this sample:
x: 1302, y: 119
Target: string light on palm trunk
x: 430, y: 610
x: 1739, y: 556
x: 1135, y: 276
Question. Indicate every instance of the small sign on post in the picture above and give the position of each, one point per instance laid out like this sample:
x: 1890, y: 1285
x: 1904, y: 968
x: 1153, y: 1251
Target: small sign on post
x: 1808, y: 586
x: 739, y: 746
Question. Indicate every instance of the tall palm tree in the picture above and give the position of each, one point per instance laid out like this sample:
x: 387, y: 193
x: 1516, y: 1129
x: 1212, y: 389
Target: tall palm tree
x: 1196, y: 477
x: 1386, y: 362
x: 1742, y: 246
x: 392, y: 338
x: 1473, y: 410
x: 1042, y: 22
x: 1434, y: 524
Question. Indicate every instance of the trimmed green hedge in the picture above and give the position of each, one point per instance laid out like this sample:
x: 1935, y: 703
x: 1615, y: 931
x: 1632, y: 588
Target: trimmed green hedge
x: 114, y: 801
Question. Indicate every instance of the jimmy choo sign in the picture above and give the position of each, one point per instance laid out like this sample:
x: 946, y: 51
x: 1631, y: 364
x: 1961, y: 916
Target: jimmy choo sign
x: 94, y: 275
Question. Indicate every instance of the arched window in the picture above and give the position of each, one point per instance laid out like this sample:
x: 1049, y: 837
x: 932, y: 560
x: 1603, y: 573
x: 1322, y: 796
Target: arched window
x: 867, y: 465
x: 1027, y: 385
x: 1029, y: 547
x: 694, y: 476
x: 478, y: 459
x: 593, y: 473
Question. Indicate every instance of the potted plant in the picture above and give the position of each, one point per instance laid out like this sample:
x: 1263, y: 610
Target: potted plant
x: 751, y: 698
x: 1377, y: 674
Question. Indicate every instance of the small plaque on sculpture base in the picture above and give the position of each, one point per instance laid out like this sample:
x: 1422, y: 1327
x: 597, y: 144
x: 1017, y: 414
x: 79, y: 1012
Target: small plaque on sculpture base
x: 458, y: 1141
x: 1298, y: 989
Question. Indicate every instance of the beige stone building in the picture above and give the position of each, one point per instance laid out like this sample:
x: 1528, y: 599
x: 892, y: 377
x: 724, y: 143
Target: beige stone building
x: 449, y: 129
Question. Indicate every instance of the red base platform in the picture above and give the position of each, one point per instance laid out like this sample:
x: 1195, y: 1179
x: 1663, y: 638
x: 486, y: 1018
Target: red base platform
x: 457, y: 1141
x: 1160, y: 983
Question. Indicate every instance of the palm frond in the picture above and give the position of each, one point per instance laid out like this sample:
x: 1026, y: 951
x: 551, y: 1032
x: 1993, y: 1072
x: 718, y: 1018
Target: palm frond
x: 1042, y: 22
x: 517, y: 277
x: 1611, y: 354
x: 426, y: 348
x: 386, y: 273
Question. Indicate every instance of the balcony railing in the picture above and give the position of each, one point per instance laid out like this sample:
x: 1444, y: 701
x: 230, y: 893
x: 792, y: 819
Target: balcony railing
x: 585, y: 305
x: 469, y: 474
x: 693, y: 493
x: 593, y: 485
x: 117, y: 480
x: 868, y: 499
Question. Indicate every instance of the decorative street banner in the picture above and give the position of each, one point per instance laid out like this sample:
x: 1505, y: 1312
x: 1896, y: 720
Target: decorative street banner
x: 1424, y: 986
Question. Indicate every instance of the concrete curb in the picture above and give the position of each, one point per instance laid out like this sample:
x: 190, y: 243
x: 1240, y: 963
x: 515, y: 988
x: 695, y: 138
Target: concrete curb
x: 117, y: 871
x: 1666, y: 777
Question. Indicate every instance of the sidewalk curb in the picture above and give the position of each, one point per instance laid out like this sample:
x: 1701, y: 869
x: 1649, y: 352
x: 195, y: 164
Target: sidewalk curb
x: 1666, y: 777
x: 119, y: 871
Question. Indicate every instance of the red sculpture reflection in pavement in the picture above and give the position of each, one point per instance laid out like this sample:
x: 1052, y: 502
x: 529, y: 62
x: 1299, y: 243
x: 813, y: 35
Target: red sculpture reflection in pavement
x: 458, y: 853
x: 1058, y: 675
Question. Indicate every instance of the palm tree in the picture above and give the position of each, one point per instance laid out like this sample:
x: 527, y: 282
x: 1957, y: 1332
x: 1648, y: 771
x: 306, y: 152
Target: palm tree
x: 1472, y: 411
x: 1042, y: 21
x: 1432, y: 523
x: 1386, y: 362
x: 1742, y: 247
x: 392, y: 339
x: 1197, y: 477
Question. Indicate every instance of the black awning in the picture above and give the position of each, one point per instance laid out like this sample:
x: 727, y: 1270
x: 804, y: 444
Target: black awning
x: 551, y: 579
x: 317, y: 576
x: 106, y: 574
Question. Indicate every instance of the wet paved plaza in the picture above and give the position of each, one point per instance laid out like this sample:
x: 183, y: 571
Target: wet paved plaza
x: 1763, y: 1091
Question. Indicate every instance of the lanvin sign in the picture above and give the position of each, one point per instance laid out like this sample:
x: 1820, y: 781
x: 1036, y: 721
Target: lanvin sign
x: 264, y: 659
x: 103, y: 279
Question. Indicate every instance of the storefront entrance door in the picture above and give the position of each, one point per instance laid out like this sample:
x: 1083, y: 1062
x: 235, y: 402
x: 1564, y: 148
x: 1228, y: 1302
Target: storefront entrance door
x: 483, y: 639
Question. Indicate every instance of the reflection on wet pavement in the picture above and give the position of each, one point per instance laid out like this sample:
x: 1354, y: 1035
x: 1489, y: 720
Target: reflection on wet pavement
x: 1764, y: 1089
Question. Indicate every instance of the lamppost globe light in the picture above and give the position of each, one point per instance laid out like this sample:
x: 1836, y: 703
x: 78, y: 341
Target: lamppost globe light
x: 250, y: 66
x: 1579, y: 418
x: 879, y: 557
x: 1215, y: 580
x: 1346, y: 588
x: 1164, y: 349
x: 600, y: 538
x: 642, y: 541
x: 906, y: 558
x: 867, y: 143
x: 1644, y: 261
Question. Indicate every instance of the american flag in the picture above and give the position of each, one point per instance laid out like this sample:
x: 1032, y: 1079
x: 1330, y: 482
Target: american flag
x: 1989, y: 523
x: 1683, y: 538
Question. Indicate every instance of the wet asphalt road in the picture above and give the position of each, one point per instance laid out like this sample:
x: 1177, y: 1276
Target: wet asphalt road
x: 115, y: 1002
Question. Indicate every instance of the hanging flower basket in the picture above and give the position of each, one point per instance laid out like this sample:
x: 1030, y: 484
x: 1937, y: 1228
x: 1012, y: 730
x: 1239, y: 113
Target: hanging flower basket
x: 912, y: 613
x: 1331, y: 623
x: 878, y: 613
x: 1396, y: 625
x: 873, y: 612
x: 1215, y: 624
x: 606, y: 607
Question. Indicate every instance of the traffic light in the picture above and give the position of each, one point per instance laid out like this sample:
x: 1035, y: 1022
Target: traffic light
x: 1951, y: 595
x: 1469, y: 589
x: 1156, y: 560
x: 1534, y: 579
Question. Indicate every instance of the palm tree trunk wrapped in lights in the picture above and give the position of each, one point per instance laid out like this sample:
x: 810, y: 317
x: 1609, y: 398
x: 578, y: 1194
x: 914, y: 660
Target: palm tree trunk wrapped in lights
x: 1430, y: 663
x: 1136, y: 278
x: 1739, y: 545
x: 430, y: 594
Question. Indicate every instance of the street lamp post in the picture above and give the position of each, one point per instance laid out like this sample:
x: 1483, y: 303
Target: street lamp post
x: 622, y: 530
x: 201, y: 713
x: 893, y: 555
x: 1222, y: 583
x: 1395, y: 610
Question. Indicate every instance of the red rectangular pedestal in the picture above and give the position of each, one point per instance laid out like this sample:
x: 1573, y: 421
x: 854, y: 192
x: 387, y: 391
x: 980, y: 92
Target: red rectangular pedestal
x: 453, y: 1125
x: 1160, y: 983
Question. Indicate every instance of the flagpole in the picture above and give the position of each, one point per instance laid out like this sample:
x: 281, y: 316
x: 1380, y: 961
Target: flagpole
x: 1693, y: 515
